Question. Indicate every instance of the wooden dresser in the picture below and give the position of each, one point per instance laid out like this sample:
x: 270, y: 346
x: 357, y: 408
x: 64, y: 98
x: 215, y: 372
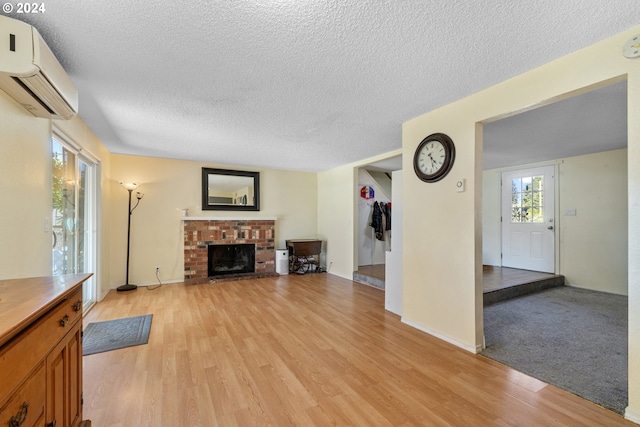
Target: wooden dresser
x: 41, y: 351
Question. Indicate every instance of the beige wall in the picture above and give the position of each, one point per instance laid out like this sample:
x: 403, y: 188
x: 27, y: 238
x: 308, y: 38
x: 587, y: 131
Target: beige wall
x: 591, y: 246
x: 442, y: 231
x: 171, y: 185
x: 25, y: 187
x: 336, y: 219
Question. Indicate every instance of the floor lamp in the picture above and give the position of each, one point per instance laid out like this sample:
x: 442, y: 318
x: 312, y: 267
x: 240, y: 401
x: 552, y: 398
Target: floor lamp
x: 129, y: 187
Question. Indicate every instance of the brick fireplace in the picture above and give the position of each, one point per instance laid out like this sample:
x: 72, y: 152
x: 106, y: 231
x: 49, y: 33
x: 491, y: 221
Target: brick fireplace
x: 199, y: 233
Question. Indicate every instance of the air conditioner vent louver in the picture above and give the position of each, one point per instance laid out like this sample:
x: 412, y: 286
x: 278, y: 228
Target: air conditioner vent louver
x: 31, y: 74
x: 26, y: 87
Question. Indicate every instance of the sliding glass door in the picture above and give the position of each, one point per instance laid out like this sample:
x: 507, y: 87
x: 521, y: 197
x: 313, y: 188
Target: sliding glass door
x: 74, y: 214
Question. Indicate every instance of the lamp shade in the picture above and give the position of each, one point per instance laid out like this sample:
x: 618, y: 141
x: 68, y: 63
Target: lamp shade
x: 129, y: 185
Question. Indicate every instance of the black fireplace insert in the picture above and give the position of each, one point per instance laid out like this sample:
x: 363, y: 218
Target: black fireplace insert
x: 232, y: 259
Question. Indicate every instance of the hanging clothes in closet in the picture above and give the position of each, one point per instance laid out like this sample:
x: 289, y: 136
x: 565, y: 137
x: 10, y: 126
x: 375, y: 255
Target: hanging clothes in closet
x: 386, y: 211
x: 381, y: 219
x: 376, y: 221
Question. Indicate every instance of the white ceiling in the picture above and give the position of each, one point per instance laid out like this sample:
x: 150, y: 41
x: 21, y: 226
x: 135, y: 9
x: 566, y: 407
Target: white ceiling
x: 302, y: 85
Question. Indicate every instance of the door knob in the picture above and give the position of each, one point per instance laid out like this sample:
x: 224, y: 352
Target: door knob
x: 550, y: 227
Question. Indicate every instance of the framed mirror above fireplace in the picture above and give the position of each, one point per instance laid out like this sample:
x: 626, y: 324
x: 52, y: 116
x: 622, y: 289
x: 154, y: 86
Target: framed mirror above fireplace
x: 230, y: 190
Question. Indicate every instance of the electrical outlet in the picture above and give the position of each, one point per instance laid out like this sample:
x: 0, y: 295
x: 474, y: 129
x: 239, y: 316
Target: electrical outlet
x: 157, y: 270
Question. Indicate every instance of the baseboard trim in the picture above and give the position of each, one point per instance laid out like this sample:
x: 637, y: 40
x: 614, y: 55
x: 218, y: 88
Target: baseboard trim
x: 471, y: 349
x: 631, y: 416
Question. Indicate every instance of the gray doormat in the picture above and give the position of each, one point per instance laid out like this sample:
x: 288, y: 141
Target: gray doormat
x: 114, y: 334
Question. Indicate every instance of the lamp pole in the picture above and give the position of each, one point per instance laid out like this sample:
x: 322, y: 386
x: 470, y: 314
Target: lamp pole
x: 129, y: 188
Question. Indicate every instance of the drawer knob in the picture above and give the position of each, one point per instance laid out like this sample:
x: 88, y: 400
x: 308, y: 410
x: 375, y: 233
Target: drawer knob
x: 64, y: 320
x: 18, y: 419
x: 77, y: 306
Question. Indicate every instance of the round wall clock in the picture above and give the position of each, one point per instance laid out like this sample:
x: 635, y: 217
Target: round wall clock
x: 434, y: 157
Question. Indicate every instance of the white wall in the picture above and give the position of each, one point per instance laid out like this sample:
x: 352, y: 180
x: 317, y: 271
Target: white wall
x: 171, y: 185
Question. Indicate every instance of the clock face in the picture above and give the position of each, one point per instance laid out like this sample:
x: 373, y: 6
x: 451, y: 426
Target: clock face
x: 434, y: 157
x: 431, y: 158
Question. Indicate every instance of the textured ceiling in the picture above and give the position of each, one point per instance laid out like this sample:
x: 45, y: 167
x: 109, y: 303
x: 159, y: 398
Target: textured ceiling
x: 305, y: 85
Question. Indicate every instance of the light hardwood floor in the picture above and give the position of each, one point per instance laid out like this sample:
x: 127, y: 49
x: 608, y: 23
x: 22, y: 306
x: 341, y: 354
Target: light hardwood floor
x: 312, y: 350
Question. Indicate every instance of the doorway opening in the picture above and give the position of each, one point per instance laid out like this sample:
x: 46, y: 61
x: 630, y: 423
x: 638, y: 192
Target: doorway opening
x: 378, y: 261
x: 582, y: 141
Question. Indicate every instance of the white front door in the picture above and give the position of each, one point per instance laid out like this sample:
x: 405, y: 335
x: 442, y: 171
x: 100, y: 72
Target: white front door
x: 528, y: 226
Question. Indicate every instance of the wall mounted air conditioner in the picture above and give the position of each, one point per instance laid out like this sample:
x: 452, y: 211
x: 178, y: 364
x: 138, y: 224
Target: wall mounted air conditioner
x: 31, y: 74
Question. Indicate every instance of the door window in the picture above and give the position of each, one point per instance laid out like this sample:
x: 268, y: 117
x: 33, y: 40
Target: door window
x: 527, y: 199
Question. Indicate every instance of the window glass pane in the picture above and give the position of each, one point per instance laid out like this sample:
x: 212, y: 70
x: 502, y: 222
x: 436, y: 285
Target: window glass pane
x: 537, y: 198
x: 73, y: 214
x: 537, y: 183
x: 515, y: 215
x: 515, y: 185
x: 538, y: 215
x: 527, y: 199
x: 64, y: 224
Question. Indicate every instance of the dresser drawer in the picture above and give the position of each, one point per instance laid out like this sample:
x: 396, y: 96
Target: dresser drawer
x: 22, y: 353
x: 26, y: 406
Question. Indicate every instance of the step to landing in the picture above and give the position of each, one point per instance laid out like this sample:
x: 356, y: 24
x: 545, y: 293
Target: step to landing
x: 515, y: 291
x: 368, y: 280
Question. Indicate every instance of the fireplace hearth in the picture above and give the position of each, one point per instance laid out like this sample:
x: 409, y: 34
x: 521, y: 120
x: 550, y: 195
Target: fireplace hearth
x: 231, y: 259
